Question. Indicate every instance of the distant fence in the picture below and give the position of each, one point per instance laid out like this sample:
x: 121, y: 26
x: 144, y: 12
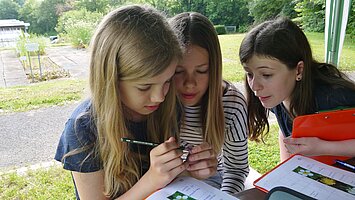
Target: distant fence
x: 231, y: 29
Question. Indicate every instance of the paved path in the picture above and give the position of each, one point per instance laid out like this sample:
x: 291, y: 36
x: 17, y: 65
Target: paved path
x: 31, y: 137
x: 69, y: 58
x: 11, y: 70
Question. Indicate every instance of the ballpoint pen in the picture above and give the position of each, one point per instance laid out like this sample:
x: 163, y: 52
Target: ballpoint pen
x: 342, y: 163
x: 132, y: 141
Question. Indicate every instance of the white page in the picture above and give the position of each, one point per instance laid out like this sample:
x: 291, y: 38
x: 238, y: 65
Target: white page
x: 285, y: 176
x: 191, y: 187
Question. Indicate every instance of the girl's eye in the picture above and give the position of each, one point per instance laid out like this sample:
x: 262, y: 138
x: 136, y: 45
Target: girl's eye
x: 143, y: 89
x: 267, y: 75
x: 202, y: 71
x: 178, y: 71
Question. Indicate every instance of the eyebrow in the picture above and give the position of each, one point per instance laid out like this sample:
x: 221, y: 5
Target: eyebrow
x: 260, y: 67
x: 147, y: 84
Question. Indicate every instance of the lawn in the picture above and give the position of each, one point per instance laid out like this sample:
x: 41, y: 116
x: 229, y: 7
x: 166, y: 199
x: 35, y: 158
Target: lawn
x: 56, y: 183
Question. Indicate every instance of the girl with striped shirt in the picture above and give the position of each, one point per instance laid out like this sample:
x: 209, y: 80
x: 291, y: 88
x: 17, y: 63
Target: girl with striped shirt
x: 215, y: 112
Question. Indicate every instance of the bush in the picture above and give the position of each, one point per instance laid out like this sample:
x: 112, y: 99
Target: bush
x: 32, y: 38
x: 220, y: 29
x: 78, y: 26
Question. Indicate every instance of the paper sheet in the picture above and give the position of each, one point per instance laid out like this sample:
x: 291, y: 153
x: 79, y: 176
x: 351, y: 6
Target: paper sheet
x: 188, y: 188
x: 311, y: 178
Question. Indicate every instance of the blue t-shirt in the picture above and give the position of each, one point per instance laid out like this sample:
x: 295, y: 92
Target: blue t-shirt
x: 326, y: 98
x: 80, y: 132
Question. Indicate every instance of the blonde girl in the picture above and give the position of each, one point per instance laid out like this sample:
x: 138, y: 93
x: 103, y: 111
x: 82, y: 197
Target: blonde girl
x: 134, y: 54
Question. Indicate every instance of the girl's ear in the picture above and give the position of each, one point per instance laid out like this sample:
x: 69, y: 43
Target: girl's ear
x: 299, y: 70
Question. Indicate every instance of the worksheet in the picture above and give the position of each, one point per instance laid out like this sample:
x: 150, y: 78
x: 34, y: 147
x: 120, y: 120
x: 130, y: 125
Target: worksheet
x: 189, y: 188
x: 311, y: 178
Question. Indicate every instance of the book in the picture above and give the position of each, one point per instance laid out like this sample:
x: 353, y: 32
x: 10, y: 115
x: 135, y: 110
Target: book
x: 310, y: 177
x: 330, y: 125
x: 189, y: 188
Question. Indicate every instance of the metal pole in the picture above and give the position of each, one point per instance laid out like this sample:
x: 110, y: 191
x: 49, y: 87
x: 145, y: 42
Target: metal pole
x: 336, y: 28
x: 40, y: 68
x: 29, y: 59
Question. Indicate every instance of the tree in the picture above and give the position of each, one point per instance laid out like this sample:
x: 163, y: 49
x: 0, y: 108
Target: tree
x: 28, y: 13
x: 229, y: 12
x: 8, y: 9
x: 263, y: 10
x: 311, y: 15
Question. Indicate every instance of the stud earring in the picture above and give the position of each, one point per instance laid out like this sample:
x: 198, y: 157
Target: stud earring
x: 298, y: 78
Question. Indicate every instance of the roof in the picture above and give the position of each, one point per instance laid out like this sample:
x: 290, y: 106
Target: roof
x: 13, y: 23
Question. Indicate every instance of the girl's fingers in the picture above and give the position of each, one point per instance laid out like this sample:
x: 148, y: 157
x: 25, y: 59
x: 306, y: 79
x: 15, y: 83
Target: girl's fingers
x: 165, y: 147
x: 207, y: 154
x: 211, y: 163
x: 202, y: 147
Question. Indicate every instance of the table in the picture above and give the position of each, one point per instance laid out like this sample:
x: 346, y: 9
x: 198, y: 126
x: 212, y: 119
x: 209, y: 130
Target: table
x: 256, y: 194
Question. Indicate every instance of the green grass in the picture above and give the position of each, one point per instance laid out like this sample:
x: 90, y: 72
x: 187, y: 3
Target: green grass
x: 37, y: 95
x: 263, y: 157
x: 56, y: 183
x: 42, y: 184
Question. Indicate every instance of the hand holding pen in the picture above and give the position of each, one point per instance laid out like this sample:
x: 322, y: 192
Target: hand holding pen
x: 165, y: 162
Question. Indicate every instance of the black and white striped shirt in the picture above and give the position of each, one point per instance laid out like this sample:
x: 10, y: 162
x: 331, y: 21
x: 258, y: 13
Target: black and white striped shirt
x: 233, y: 160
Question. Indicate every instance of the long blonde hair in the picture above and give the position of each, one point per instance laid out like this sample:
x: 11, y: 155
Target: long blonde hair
x: 131, y: 42
x: 194, y: 28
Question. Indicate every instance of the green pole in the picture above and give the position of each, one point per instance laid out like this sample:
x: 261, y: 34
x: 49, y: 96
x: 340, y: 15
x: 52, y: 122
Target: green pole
x: 335, y: 33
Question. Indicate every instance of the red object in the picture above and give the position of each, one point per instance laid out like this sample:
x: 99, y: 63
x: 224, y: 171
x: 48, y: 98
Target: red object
x: 331, y: 125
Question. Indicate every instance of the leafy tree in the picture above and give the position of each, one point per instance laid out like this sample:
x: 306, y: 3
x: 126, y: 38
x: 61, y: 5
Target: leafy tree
x: 8, y: 9
x: 229, y: 12
x: 350, y: 28
x: 93, y: 5
x: 48, y: 15
x: 263, y: 10
x: 28, y: 13
x: 78, y: 25
x: 311, y: 15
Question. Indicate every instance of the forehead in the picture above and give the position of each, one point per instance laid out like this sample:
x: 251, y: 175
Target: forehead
x: 160, y: 78
x: 262, y: 62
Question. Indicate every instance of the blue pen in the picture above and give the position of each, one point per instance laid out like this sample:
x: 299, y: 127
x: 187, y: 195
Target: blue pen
x: 345, y: 164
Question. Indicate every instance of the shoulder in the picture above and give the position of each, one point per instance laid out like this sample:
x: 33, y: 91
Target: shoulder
x: 79, y: 134
x: 232, y: 95
x: 328, y: 97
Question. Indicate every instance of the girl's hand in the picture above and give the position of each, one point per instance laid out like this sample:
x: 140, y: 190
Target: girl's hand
x: 202, y: 161
x: 309, y: 146
x: 165, y: 163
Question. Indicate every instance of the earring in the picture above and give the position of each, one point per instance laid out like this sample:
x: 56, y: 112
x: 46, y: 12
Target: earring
x: 298, y: 78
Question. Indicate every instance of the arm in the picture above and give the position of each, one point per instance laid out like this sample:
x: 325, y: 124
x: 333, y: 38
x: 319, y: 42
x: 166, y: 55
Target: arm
x: 90, y: 185
x: 284, y: 153
x: 166, y: 164
x: 313, y: 146
x: 235, y: 147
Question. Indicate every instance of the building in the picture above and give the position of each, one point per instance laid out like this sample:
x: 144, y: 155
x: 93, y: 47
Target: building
x: 10, y: 31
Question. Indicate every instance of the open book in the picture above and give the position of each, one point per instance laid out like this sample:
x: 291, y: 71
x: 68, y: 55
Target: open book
x: 189, y: 188
x: 310, y: 177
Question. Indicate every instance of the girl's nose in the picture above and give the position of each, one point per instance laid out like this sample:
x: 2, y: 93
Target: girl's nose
x: 255, y: 85
x: 190, y: 80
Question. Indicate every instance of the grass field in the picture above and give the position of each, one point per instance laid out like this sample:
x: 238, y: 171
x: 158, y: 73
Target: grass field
x: 56, y: 183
